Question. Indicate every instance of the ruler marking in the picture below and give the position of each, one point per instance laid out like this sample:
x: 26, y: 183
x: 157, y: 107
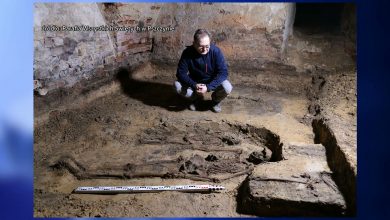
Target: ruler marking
x: 124, y: 189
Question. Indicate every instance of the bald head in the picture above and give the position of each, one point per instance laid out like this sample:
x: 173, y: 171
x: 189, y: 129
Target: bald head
x: 202, y: 40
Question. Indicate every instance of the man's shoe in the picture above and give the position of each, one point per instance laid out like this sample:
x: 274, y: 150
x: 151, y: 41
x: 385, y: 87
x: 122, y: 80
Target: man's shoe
x: 217, y: 107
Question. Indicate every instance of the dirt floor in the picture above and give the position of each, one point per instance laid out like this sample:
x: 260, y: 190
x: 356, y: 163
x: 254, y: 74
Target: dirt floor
x: 284, y: 144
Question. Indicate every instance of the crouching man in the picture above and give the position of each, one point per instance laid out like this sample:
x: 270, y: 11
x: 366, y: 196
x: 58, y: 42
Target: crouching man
x: 202, y: 69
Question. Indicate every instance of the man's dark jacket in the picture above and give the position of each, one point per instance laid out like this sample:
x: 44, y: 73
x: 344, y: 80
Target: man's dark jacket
x: 209, y: 69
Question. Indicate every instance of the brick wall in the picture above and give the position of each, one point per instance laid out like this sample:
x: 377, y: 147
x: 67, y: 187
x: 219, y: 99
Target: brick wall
x: 249, y: 34
x: 64, y: 58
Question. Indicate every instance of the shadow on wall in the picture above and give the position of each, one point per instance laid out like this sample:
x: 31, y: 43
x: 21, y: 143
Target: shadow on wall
x: 150, y: 93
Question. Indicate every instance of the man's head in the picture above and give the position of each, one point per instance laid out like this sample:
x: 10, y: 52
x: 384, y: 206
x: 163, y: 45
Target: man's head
x: 202, y: 41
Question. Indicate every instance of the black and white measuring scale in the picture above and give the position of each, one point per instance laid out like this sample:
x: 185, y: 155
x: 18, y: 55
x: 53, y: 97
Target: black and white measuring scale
x: 145, y: 189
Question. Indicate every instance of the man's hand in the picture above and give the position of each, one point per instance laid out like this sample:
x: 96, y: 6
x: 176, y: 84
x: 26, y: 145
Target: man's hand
x: 201, y: 88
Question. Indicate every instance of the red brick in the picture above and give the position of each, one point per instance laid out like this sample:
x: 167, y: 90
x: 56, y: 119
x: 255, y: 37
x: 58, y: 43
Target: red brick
x: 121, y: 22
x: 149, y: 20
x: 126, y: 42
x: 137, y: 48
x: 130, y: 22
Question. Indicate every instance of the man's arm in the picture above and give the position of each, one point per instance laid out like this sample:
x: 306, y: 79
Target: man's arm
x: 182, y: 73
x: 221, y: 71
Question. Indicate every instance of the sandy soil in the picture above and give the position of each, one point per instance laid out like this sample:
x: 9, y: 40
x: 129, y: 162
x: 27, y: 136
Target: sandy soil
x: 136, y: 131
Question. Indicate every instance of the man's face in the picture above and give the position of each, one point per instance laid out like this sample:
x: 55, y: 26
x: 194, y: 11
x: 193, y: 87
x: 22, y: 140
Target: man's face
x: 203, y: 46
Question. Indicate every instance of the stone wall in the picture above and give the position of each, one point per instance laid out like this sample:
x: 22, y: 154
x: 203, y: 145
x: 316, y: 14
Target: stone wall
x: 249, y: 34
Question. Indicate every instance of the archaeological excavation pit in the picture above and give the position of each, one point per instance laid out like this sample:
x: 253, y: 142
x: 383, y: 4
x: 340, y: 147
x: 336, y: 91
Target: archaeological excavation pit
x: 199, y: 151
x: 107, y: 114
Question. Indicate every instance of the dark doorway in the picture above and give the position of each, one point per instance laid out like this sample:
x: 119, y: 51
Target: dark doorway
x: 316, y: 18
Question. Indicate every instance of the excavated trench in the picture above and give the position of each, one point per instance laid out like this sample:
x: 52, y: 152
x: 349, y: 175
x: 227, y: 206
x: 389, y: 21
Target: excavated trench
x: 174, y: 149
x: 116, y: 139
x: 343, y: 173
x: 302, y: 192
x: 199, y: 151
